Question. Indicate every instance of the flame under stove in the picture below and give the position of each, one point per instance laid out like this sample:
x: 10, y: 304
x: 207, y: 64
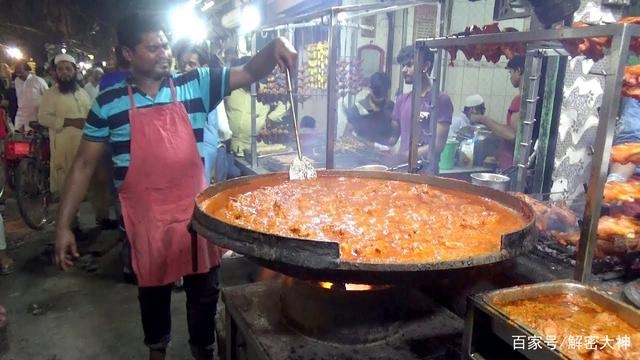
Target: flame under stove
x: 346, y: 313
x: 345, y: 287
x: 297, y: 319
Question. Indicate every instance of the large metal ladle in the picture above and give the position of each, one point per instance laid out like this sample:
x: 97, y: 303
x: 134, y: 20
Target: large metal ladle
x: 301, y: 167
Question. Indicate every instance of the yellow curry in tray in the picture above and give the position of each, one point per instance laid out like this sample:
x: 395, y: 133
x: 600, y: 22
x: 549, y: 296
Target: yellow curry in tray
x: 577, y: 326
x: 374, y: 221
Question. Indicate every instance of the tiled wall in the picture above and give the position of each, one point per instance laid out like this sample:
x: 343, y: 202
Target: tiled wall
x: 480, y: 77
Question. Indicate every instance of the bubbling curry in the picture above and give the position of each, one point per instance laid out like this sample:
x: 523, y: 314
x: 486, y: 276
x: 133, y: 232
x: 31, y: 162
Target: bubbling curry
x: 374, y: 221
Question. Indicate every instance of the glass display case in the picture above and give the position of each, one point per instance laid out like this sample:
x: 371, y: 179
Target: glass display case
x: 341, y: 49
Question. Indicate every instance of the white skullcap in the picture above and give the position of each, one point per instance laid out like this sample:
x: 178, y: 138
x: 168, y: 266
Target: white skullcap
x: 64, y: 57
x: 473, y: 101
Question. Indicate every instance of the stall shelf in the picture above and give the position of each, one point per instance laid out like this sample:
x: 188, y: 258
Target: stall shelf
x: 536, y: 42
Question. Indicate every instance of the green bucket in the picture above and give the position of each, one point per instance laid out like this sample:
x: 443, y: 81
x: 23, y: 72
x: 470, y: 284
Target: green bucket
x: 448, y: 155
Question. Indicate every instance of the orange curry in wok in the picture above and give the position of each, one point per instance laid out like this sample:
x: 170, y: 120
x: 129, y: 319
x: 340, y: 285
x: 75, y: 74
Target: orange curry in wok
x: 374, y: 221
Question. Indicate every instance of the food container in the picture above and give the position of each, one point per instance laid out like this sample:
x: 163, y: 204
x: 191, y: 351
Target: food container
x: 494, y: 181
x: 448, y: 155
x: 465, y: 157
x: 491, y: 334
x: 373, y: 167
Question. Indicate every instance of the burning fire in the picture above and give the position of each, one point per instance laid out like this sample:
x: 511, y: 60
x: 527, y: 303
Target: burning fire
x: 348, y: 287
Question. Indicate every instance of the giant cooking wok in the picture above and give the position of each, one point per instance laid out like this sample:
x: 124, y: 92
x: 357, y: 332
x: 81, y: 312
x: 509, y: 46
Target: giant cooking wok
x: 320, y: 260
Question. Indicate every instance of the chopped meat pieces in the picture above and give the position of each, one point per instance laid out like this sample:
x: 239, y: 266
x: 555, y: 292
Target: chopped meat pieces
x: 373, y: 220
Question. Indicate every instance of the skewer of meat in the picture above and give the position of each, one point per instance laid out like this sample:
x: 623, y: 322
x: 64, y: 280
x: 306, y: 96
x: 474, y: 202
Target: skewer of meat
x: 626, y: 153
x: 621, y: 191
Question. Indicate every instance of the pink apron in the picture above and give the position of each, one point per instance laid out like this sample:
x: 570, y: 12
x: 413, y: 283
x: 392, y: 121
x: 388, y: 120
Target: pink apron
x: 157, y: 196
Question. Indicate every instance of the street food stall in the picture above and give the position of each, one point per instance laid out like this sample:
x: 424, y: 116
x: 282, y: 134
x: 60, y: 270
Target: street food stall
x: 384, y: 264
x: 340, y: 49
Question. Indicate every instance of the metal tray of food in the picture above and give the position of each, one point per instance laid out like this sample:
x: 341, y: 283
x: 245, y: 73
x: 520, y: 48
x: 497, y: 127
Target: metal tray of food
x: 490, y: 332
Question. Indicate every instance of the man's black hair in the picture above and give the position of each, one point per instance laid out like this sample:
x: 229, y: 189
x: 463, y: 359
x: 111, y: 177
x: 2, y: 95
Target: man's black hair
x: 40, y: 71
x: 132, y: 27
x: 308, y: 122
x: 516, y: 63
x: 186, y: 46
x: 407, y: 53
x: 121, y: 62
x: 380, y: 84
x: 24, y: 66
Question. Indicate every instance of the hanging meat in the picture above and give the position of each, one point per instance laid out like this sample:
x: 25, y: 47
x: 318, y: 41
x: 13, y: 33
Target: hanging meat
x: 631, y: 82
x: 635, y: 42
x: 617, y: 235
x: 510, y: 50
x: 592, y: 48
x: 491, y: 52
x: 623, y: 226
x: 617, y: 191
x: 626, y: 153
x: 555, y: 221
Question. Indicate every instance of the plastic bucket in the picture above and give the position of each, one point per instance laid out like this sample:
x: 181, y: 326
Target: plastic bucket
x: 448, y: 155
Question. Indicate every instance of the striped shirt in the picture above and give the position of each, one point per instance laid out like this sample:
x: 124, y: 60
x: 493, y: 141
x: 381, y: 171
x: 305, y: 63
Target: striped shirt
x: 199, y: 90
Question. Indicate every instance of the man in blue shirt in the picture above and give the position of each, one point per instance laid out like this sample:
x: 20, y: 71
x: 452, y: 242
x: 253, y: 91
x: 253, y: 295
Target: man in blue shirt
x: 113, y: 77
x: 154, y: 122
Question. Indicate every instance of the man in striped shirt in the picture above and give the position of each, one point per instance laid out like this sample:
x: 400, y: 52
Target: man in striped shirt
x: 154, y: 124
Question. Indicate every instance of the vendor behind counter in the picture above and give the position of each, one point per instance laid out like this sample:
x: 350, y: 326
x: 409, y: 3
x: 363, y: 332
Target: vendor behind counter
x: 370, y: 118
x: 238, y: 105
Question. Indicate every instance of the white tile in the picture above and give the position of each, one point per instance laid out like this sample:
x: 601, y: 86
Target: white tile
x: 457, y: 101
x: 452, y: 83
x: 470, y: 80
x: 485, y: 79
x: 500, y: 82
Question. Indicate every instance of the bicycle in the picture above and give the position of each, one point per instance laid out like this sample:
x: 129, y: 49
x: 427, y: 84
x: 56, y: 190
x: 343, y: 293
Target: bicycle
x: 33, y: 194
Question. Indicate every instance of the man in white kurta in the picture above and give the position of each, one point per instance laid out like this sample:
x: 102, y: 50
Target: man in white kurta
x: 63, y: 110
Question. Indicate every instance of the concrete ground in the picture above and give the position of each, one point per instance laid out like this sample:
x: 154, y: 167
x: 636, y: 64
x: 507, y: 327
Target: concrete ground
x: 87, y: 313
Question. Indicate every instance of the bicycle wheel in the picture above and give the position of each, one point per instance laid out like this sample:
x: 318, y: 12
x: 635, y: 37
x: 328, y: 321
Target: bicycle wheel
x: 32, y: 193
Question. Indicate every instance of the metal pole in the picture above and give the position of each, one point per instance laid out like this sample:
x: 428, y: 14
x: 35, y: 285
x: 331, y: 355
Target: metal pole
x: 254, y: 95
x: 530, y: 36
x: 405, y: 22
x: 434, y: 155
x: 524, y: 141
x: 332, y: 98
x: 354, y: 53
x: 446, y: 11
x: 291, y: 36
x: 436, y: 89
x: 416, y: 102
x: 600, y: 162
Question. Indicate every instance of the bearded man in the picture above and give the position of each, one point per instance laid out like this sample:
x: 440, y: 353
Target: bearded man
x: 63, y: 110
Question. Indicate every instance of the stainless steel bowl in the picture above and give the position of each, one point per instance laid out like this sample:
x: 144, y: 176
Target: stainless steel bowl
x: 372, y: 168
x: 494, y: 181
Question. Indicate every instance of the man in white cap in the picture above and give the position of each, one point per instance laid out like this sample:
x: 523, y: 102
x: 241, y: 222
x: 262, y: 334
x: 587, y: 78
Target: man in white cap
x: 63, y: 110
x: 473, y: 105
x: 92, y: 87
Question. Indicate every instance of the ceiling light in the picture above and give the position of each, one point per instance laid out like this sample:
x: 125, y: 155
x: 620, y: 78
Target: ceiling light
x: 15, y: 53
